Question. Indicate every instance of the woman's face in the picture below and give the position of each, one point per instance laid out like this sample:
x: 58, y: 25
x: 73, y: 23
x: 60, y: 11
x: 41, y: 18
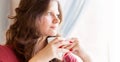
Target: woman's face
x: 48, y: 23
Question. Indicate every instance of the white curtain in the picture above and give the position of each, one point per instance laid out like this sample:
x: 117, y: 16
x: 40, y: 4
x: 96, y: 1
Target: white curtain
x: 71, y: 11
x: 97, y: 27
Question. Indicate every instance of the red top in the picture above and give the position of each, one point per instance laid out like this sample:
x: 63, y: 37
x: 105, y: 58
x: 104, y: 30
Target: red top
x: 7, y: 54
x: 68, y: 57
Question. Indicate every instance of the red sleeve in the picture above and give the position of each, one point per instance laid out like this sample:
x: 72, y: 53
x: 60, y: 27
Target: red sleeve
x: 69, y: 58
x: 7, y: 55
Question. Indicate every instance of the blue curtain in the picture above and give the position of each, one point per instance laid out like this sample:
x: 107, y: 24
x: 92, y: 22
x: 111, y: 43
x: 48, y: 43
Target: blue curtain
x: 71, y: 10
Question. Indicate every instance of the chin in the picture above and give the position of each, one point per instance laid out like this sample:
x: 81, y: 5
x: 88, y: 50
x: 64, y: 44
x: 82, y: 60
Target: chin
x: 53, y: 34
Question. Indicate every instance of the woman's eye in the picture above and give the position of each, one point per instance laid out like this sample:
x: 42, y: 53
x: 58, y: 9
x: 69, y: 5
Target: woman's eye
x: 57, y: 15
x: 52, y: 14
x: 49, y: 13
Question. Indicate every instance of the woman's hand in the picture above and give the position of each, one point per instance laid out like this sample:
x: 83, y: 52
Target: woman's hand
x: 75, y: 48
x: 49, y: 52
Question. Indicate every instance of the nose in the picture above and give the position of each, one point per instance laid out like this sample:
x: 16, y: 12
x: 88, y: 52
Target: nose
x: 56, y: 19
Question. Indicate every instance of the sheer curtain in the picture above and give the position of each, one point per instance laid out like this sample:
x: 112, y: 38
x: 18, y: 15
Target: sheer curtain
x: 97, y: 27
x: 71, y: 11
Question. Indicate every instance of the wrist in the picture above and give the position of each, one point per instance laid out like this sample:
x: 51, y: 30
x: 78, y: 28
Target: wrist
x: 41, y: 56
x: 83, y: 55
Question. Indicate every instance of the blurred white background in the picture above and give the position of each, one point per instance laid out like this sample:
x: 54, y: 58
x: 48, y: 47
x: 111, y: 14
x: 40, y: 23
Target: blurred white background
x: 97, y: 27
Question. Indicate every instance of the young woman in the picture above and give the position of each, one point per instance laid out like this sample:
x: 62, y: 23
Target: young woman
x: 34, y: 23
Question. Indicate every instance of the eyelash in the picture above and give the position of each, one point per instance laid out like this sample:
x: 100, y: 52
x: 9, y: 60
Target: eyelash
x: 50, y: 13
x: 58, y: 15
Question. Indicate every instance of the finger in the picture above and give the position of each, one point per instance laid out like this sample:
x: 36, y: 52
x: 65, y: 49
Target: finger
x: 74, y: 43
x: 74, y: 40
x: 65, y: 44
x: 70, y: 46
x: 58, y: 42
x: 54, y: 40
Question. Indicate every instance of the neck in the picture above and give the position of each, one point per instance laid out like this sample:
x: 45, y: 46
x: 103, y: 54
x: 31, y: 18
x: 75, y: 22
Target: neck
x: 40, y: 44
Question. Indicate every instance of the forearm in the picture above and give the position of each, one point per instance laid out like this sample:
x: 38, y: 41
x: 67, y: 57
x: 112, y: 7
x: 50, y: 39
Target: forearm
x: 42, y: 56
x: 84, y: 56
x: 40, y: 59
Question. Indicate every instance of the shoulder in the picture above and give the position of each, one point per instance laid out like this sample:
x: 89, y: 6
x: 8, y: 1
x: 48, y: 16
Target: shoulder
x: 7, y: 54
x: 4, y: 49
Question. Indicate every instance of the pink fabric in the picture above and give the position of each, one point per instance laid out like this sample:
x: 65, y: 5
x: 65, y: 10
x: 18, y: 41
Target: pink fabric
x: 68, y: 57
x: 7, y: 54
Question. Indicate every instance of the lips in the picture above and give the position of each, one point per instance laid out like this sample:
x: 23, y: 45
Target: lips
x: 53, y: 27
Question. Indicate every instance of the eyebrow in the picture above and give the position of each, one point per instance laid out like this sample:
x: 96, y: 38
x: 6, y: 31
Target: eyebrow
x: 53, y: 11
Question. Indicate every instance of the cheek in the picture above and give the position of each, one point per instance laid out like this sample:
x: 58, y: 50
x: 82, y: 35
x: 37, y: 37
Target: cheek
x: 41, y: 26
x: 46, y: 20
x: 44, y: 26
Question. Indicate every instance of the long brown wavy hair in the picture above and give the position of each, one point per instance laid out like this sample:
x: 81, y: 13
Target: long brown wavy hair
x: 22, y: 35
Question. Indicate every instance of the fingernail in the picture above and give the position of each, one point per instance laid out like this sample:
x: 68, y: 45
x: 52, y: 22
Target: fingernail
x: 66, y: 53
x: 71, y: 49
x: 60, y: 46
x: 70, y: 41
